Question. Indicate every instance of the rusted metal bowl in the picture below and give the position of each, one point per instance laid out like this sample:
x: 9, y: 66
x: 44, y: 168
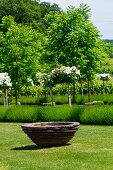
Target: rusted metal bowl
x: 46, y: 134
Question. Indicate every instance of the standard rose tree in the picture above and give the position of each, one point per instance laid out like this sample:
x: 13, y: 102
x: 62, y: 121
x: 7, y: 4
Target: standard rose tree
x: 5, y: 83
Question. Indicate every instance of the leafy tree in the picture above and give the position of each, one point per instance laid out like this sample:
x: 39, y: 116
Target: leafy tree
x: 74, y: 40
x: 27, y: 12
x: 46, y: 8
x: 21, y: 48
x: 24, y: 11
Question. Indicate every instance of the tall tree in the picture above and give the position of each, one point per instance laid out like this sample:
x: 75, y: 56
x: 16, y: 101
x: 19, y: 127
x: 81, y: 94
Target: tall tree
x: 28, y: 12
x: 46, y: 8
x: 24, y: 11
x: 21, y: 48
x: 74, y: 40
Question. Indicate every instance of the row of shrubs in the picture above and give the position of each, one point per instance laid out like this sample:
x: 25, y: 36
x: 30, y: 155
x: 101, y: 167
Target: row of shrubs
x: 62, y: 89
x: 59, y: 100
x: 100, y: 115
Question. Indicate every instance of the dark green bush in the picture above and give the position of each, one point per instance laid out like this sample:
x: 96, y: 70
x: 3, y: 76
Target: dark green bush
x: 59, y: 100
x: 107, y: 98
x: 1, y: 101
x: 27, y: 100
x: 100, y: 115
x: 33, y: 113
x: 32, y: 100
x: 81, y: 99
x: 75, y: 113
x: 56, y: 113
x: 94, y: 114
x: 19, y: 114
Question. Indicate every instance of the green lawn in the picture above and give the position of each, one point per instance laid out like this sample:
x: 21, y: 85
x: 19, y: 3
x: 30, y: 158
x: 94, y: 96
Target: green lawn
x: 90, y: 149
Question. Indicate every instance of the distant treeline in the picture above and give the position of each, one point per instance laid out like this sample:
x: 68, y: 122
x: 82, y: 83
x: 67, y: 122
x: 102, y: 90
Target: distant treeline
x: 109, y: 41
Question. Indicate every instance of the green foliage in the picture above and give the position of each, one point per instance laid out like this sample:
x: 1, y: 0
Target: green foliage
x: 57, y: 113
x: 59, y: 100
x: 19, y: 114
x: 21, y: 50
x: 1, y: 101
x: 28, y: 100
x: 32, y: 100
x: 6, y: 23
x: 74, y: 40
x: 109, y: 41
x: 60, y: 89
x: 46, y: 8
x: 31, y: 91
x: 100, y: 98
x: 3, y: 111
x: 107, y: 98
x: 33, y: 114
x: 27, y: 11
x: 75, y: 113
x: 108, y: 67
x: 100, y: 115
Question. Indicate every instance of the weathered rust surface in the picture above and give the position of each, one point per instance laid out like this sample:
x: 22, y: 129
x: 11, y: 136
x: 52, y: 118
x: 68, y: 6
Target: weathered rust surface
x: 46, y: 134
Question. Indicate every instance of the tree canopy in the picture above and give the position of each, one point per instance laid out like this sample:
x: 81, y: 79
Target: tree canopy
x: 21, y: 48
x: 46, y: 8
x: 70, y: 40
x: 27, y: 12
x: 74, y: 40
x: 24, y: 11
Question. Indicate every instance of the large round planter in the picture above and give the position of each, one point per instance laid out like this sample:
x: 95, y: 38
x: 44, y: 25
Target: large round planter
x: 46, y: 134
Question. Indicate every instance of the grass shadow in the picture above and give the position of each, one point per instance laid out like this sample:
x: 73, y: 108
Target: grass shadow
x: 28, y: 147
x: 35, y: 147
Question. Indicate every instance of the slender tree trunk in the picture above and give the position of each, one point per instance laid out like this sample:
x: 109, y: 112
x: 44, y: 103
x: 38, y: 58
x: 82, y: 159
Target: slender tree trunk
x: 103, y: 87
x: 51, y: 94
x: 74, y: 92
x: 45, y: 95
x: 89, y: 92
x: 11, y: 96
x: 69, y: 96
x: 16, y: 96
x: 16, y: 84
x: 93, y: 91
x: 5, y: 97
x: 82, y: 91
x: 26, y: 90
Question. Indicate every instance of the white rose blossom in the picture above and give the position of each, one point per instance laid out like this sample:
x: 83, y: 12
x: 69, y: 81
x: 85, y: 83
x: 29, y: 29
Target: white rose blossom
x: 104, y: 76
x: 5, y: 80
x: 69, y: 72
x: 41, y: 77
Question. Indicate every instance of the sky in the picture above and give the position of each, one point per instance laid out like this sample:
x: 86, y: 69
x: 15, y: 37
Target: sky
x: 101, y: 13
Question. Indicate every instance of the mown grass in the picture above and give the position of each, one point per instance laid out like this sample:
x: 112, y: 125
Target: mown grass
x: 90, y: 149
